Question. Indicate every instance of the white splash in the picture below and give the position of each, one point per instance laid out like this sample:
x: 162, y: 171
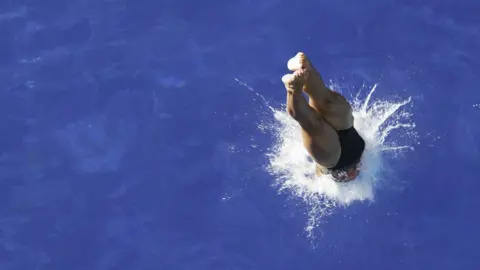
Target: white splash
x: 294, y: 170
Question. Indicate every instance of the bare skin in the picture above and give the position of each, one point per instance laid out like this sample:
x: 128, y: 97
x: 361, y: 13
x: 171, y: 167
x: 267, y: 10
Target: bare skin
x: 322, y: 116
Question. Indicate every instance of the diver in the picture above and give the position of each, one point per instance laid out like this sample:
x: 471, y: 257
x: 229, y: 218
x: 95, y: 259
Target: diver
x: 326, y: 121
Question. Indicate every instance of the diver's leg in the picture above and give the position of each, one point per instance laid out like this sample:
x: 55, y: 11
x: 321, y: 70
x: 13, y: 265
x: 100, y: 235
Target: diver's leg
x: 332, y: 106
x: 314, y: 86
x: 297, y: 105
x: 319, y: 138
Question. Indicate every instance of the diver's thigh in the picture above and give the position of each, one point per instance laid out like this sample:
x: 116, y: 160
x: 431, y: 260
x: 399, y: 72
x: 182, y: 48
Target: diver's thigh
x: 323, y: 146
x: 339, y: 113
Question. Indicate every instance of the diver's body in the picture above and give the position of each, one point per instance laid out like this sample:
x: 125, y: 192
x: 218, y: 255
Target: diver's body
x: 326, y: 121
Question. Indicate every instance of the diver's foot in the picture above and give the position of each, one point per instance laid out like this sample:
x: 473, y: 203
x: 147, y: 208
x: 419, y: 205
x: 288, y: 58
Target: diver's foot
x: 299, y: 61
x: 294, y: 82
x: 313, y: 78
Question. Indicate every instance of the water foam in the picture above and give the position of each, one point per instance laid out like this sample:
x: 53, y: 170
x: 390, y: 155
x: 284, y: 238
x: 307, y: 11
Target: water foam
x: 289, y: 162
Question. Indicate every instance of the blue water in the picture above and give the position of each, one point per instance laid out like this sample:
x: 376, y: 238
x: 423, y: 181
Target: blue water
x: 127, y: 143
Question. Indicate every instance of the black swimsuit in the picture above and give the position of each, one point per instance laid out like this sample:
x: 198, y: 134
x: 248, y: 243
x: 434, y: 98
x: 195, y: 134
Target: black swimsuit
x: 352, y: 147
